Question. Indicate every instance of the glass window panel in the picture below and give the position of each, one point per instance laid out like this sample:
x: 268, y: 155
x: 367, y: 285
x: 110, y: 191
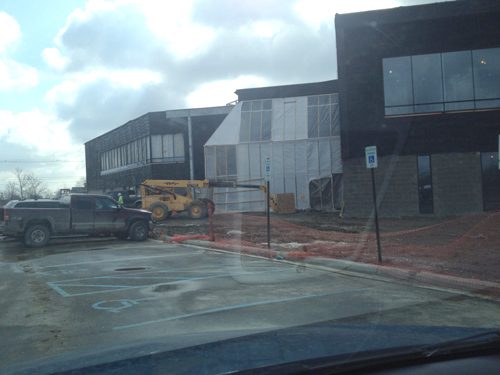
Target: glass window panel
x: 179, y: 146
x: 312, y: 122
x: 136, y: 151
x: 487, y: 73
x: 335, y: 119
x: 245, y: 127
x: 246, y: 106
x: 457, y: 76
x: 267, y: 104
x: 484, y: 104
x: 324, y: 121
x: 324, y: 99
x: 266, y: 125
x: 424, y: 108
x: 397, y: 81
x: 427, y: 79
x: 257, y: 105
x: 168, y: 146
x: 255, y: 126
x: 403, y: 110
x: 459, y: 106
x: 220, y: 160
x: 231, y: 160
x: 156, y: 146
x: 312, y: 100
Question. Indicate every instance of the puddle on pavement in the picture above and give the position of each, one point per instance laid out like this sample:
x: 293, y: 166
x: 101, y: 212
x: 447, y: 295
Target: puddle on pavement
x: 165, y: 288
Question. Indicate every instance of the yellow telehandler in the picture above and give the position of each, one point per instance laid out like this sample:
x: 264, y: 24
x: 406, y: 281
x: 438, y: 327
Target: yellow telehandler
x: 162, y: 197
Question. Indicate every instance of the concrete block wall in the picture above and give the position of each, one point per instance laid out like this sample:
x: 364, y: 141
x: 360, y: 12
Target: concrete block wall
x: 456, y: 181
x: 395, y: 181
x: 457, y: 186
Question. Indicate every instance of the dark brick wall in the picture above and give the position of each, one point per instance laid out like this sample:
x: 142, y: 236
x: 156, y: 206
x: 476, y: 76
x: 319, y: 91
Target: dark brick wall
x: 149, y: 124
x: 456, y: 180
x: 396, y: 184
x: 126, y: 133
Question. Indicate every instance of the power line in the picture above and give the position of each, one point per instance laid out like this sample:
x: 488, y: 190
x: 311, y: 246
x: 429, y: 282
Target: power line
x: 41, y: 161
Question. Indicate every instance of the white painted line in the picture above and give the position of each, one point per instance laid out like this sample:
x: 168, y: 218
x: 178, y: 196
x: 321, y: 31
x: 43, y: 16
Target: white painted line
x: 118, y: 260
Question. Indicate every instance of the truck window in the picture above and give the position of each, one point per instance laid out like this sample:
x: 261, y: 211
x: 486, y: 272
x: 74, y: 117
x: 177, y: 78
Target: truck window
x: 104, y: 204
x: 82, y: 203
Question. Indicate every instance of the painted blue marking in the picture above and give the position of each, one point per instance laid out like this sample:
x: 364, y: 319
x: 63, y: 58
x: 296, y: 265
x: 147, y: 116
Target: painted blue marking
x: 112, y: 287
x: 221, y: 309
x: 116, y: 306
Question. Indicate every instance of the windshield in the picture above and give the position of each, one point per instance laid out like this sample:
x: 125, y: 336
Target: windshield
x: 192, y: 178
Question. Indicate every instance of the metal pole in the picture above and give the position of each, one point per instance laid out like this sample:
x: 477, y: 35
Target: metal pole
x: 190, y: 141
x: 268, y: 209
x: 377, y: 231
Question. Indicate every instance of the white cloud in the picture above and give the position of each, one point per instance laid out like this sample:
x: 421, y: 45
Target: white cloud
x: 221, y: 92
x: 316, y: 13
x: 54, y: 58
x: 13, y: 74
x: 11, y: 32
x: 41, y: 132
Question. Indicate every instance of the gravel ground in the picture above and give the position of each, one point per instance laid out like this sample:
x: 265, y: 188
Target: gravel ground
x: 466, y: 246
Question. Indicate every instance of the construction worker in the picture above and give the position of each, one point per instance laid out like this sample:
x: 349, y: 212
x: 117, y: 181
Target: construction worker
x: 120, y: 199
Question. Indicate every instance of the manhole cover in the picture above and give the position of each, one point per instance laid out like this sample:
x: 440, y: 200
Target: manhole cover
x: 165, y: 288
x: 131, y: 269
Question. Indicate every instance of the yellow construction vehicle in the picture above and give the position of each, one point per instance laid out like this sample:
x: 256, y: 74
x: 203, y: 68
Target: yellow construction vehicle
x: 162, y: 197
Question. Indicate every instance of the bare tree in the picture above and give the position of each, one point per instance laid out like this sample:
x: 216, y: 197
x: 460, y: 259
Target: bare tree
x: 10, y: 191
x: 28, y: 185
x: 35, y: 188
x: 21, y: 182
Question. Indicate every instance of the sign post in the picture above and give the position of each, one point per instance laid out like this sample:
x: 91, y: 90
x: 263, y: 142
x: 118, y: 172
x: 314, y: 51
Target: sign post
x: 267, y: 169
x: 372, y: 163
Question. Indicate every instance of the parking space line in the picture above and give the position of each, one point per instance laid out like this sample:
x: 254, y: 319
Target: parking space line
x: 231, y: 307
x: 120, y: 260
x: 59, y: 286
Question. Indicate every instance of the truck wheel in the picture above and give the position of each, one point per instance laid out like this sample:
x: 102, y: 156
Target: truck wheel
x: 197, y: 210
x: 139, y: 231
x: 36, y: 235
x: 159, y: 211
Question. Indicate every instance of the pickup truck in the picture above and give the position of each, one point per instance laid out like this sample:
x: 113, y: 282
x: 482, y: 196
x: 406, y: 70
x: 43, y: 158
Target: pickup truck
x: 75, y: 214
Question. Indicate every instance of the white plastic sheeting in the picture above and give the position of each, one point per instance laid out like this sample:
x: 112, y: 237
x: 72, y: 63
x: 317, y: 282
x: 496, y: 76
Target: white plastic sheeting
x: 296, y: 160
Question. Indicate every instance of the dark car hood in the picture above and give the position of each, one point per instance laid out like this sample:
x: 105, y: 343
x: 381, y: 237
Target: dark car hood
x: 217, y: 354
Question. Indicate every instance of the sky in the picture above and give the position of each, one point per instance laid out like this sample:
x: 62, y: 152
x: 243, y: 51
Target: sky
x: 71, y: 70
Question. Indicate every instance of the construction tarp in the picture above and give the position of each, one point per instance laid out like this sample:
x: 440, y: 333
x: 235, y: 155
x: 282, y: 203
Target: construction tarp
x: 303, y: 148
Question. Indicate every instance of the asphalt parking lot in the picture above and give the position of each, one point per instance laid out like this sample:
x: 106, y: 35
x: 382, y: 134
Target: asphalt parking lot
x: 88, y: 294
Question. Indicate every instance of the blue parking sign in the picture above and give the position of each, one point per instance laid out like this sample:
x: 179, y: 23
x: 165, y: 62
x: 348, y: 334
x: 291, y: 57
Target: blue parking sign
x: 371, y: 157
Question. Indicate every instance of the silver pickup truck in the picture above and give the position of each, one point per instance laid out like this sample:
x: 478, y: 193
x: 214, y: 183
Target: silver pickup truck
x: 75, y: 214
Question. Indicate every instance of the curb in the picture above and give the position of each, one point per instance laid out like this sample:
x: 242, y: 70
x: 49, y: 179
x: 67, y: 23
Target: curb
x: 473, y: 287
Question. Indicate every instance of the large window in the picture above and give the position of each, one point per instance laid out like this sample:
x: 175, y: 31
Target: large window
x: 322, y: 116
x: 452, y: 81
x: 167, y: 148
x: 256, y: 119
x: 130, y: 154
x: 225, y: 161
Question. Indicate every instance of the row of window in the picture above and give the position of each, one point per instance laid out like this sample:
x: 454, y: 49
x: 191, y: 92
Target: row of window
x: 323, y: 116
x: 322, y: 120
x: 441, y: 82
x: 161, y: 148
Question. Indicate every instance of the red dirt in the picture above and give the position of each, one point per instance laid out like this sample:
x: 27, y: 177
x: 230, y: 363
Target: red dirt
x: 468, y: 246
